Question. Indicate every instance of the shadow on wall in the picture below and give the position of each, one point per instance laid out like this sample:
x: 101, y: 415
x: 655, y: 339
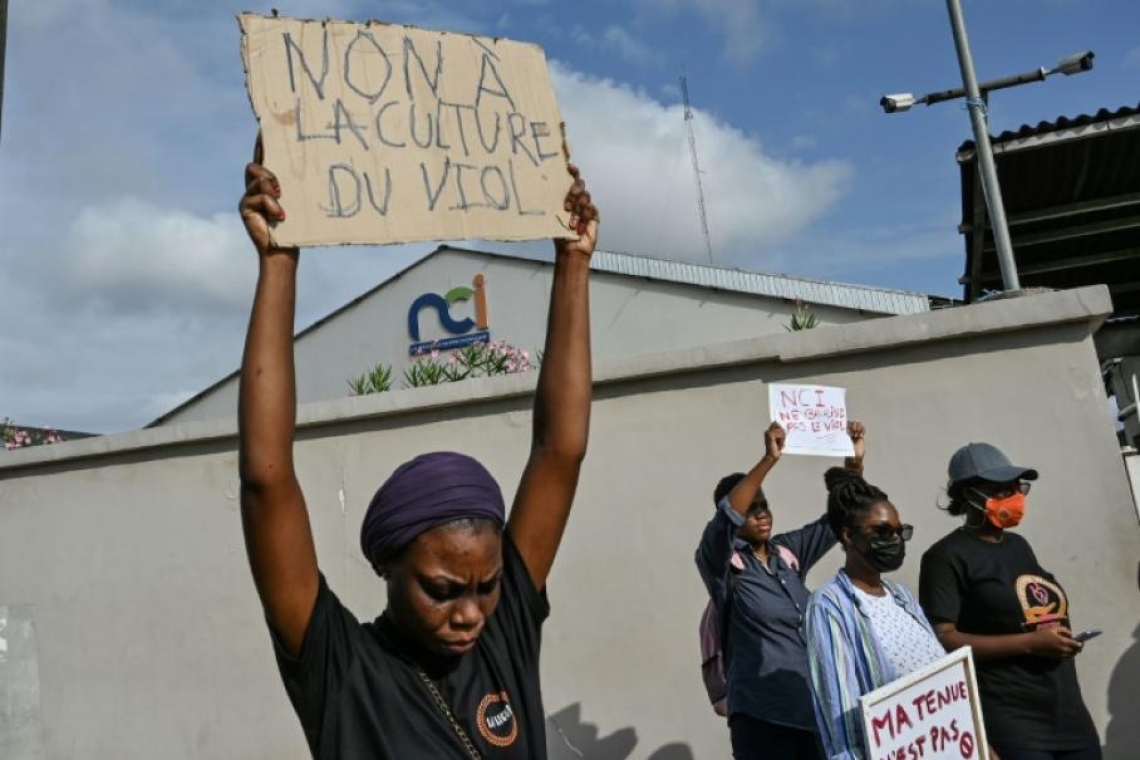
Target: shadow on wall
x: 568, y: 738
x: 1122, y: 736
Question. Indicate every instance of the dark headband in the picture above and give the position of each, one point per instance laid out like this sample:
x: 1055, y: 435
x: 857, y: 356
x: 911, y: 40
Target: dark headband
x: 424, y: 493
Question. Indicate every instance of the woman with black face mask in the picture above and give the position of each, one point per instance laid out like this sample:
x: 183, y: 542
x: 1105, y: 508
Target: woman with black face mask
x: 983, y: 587
x: 863, y: 630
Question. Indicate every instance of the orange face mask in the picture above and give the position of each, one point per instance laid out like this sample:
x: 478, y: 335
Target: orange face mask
x: 1005, y: 512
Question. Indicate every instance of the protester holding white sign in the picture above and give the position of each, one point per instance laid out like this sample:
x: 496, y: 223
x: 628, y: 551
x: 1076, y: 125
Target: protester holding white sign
x: 863, y: 630
x: 756, y: 580
x: 931, y: 714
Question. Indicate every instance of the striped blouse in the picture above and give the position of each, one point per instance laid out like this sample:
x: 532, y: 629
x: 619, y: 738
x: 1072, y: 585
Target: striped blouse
x: 847, y: 661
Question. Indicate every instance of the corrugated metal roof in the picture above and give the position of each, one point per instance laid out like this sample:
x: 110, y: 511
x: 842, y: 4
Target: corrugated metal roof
x: 1063, y: 127
x: 1072, y: 198
x: 862, y: 297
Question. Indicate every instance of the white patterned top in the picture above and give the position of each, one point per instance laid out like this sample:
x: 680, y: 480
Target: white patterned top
x: 907, y: 645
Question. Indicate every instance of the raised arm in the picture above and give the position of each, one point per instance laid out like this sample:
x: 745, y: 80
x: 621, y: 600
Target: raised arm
x: 278, y: 539
x: 811, y: 542
x: 743, y: 494
x: 858, y: 434
x: 562, y: 402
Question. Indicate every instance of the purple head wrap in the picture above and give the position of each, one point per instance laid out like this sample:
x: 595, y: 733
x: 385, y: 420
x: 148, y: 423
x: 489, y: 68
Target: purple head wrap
x: 424, y: 493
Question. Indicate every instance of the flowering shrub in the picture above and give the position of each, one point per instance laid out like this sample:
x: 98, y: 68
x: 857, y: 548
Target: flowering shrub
x: 476, y: 360
x: 16, y: 437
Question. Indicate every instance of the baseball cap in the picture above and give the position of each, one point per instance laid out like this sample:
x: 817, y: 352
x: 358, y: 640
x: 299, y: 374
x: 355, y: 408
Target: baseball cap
x: 983, y: 461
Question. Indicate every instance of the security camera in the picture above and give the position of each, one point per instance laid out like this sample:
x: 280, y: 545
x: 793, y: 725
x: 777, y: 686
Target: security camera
x: 1075, y: 64
x: 902, y: 101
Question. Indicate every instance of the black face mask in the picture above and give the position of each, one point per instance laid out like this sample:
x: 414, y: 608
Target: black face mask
x: 884, y: 555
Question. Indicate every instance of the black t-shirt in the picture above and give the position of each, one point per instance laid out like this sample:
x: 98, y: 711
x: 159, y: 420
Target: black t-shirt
x: 358, y: 697
x: 991, y: 589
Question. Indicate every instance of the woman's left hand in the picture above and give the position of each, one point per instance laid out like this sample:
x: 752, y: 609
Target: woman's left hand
x: 584, y: 218
x: 858, y: 434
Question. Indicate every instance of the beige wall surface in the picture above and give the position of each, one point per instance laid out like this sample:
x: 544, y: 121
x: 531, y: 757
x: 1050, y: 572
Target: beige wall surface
x: 631, y: 316
x: 150, y: 638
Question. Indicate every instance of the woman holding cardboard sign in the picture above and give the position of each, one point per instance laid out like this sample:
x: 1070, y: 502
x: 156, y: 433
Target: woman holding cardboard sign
x: 983, y: 587
x: 863, y: 630
x: 450, y: 669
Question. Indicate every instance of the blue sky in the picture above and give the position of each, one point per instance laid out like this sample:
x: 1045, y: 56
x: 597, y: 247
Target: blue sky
x: 126, y: 278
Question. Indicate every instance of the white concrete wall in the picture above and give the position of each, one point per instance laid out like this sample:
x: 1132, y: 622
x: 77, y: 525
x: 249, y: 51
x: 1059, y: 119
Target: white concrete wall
x: 151, y: 642
x: 631, y: 317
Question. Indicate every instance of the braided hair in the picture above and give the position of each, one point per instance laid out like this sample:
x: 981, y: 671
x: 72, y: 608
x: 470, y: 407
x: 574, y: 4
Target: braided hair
x: 848, y: 495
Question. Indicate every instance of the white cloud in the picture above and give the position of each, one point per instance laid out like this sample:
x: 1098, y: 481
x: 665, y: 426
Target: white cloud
x: 745, y: 32
x: 629, y: 47
x: 615, y: 39
x: 634, y: 153
x: 804, y: 142
x: 869, y: 248
x: 135, y: 253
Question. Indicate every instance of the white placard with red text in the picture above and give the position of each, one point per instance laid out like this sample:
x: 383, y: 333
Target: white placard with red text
x: 815, y: 418
x: 932, y: 714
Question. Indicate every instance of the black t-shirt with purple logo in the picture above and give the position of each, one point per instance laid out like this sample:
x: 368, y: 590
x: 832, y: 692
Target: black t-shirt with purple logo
x: 358, y: 697
x: 992, y: 589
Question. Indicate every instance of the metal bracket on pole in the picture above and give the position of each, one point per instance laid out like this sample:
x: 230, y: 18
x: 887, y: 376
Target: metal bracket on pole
x: 987, y: 170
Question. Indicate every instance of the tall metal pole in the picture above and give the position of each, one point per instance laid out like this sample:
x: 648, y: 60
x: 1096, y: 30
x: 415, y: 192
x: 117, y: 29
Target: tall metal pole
x: 986, y: 168
x: 3, y: 49
x: 696, y: 169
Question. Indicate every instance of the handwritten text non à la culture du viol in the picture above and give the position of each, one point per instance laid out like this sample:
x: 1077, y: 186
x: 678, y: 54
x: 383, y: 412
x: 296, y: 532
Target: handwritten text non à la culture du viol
x: 394, y: 101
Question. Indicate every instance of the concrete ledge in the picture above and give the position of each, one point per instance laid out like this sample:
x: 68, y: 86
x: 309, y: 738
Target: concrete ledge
x: 1091, y: 305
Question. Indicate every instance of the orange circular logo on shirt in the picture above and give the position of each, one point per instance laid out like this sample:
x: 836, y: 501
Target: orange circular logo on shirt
x: 496, y: 720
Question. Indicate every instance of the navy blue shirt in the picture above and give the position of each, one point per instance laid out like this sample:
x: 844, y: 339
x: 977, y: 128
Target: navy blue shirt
x: 766, y: 652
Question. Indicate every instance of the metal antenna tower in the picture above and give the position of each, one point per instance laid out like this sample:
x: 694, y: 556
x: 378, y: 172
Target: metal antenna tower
x: 696, y: 167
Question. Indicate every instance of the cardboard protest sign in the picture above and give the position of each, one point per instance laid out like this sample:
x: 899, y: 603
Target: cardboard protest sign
x: 381, y: 133
x: 933, y: 714
x: 815, y: 418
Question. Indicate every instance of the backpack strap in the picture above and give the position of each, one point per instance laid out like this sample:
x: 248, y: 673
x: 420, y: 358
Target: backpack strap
x: 789, y: 557
x: 735, y: 568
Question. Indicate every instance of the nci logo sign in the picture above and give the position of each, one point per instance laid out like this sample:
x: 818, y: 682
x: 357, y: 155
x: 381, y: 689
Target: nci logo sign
x: 462, y: 332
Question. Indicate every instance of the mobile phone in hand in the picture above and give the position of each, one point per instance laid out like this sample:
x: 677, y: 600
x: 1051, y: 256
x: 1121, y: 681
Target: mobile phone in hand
x: 1084, y: 636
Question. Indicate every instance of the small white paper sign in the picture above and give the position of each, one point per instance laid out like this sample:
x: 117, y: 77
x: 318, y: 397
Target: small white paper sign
x: 932, y: 714
x: 815, y: 418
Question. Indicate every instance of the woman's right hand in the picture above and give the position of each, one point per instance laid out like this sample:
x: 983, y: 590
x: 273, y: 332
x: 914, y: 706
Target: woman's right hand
x: 260, y: 207
x: 774, y: 438
x: 1056, y: 642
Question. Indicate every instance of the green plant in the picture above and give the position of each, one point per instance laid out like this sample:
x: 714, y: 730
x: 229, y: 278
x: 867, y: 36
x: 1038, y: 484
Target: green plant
x: 423, y: 372
x: 376, y: 380
x: 802, y: 318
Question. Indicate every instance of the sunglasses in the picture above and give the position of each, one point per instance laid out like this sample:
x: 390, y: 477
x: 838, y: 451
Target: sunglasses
x: 887, y: 532
x: 1005, y: 490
